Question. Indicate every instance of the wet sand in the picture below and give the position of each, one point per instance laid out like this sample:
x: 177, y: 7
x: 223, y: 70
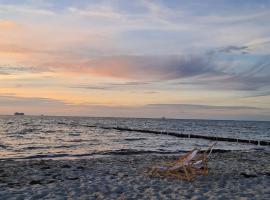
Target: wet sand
x: 233, y: 175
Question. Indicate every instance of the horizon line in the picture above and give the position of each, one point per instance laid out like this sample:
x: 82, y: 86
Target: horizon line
x: 119, y: 117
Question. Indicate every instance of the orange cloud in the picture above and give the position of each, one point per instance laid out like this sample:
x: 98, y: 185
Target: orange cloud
x: 8, y: 24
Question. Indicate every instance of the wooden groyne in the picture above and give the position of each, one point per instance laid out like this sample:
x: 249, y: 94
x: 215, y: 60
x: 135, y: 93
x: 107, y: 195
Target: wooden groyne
x: 183, y: 135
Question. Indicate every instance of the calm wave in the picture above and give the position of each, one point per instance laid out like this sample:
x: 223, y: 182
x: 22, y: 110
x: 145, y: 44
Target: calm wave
x: 70, y: 137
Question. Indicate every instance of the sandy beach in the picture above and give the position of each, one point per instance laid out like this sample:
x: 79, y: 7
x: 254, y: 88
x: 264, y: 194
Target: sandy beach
x: 233, y: 175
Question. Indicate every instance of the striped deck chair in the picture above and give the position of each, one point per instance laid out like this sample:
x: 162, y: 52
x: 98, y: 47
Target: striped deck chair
x: 180, y: 169
x: 199, y: 164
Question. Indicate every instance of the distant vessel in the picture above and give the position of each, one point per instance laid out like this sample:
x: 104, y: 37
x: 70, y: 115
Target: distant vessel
x: 18, y: 113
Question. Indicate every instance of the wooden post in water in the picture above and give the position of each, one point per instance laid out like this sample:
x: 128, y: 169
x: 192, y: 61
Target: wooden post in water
x: 184, y: 135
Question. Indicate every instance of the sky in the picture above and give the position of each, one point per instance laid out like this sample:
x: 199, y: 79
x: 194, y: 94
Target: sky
x: 144, y: 58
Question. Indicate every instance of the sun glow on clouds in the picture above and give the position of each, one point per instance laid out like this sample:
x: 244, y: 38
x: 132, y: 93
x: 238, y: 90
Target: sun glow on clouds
x: 7, y: 25
x: 115, y: 54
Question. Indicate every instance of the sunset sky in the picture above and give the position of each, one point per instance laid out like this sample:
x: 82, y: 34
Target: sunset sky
x: 143, y: 58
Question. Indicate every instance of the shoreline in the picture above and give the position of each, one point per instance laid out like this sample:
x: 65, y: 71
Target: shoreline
x: 121, y: 152
x: 233, y: 175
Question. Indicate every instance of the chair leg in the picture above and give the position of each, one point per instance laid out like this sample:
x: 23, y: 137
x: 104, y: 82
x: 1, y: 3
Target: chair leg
x: 187, y: 174
x: 206, y: 169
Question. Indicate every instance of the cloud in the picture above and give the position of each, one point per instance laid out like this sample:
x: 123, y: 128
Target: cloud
x: 26, y: 10
x: 261, y: 42
x: 112, y: 86
x: 230, y: 83
x: 232, y: 74
x: 130, y: 83
x: 8, y: 24
x: 204, y: 107
x: 232, y: 49
x: 235, y: 18
x: 258, y: 94
x: 244, y: 49
x: 133, y: 44
x: 8, y: 70
x: 99, y: 13
x: 149, y: 67
x: 92, y: 87
x: 151, y: 92
x: 4, y: 73
x: 10, y: 104
x: 28, y: 101
x: 47, y: 106
x: 58, y: 38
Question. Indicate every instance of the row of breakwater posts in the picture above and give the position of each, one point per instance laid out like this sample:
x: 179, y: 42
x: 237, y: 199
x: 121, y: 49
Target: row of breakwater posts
x: 184, y: 135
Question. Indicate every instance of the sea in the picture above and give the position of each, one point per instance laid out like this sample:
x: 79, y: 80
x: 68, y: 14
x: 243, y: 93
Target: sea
x: 45, y: 137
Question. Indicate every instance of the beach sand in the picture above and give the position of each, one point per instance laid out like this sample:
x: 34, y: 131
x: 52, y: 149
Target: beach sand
x: 233, y: 175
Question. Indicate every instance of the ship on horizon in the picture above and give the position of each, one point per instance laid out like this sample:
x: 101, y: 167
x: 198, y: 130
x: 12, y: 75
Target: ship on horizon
x: 19, y: 113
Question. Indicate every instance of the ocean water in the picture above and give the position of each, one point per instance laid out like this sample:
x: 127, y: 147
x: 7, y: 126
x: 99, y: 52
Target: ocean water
x: 31, y: 137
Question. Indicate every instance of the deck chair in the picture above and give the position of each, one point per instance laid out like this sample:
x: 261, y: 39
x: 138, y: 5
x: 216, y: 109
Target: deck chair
x: 180, y: 169
x: 199, y: 164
